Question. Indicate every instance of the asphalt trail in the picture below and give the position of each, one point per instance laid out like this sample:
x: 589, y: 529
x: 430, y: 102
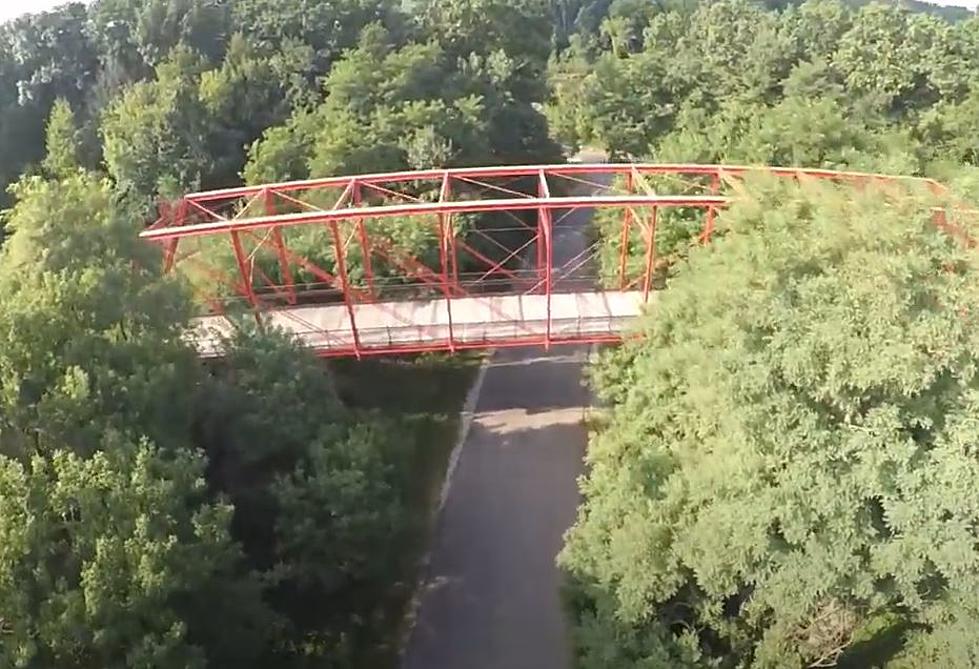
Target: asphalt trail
x: 491, y: 599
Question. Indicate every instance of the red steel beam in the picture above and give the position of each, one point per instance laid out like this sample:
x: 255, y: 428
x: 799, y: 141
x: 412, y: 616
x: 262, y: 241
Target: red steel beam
x: 247, y: 283
x: 650, y: 256
x: 630, y: 184
x: 445, y: 232
x: 345, y: 282
x: 557, y: 169
x: 434, y: 208
x: 548, y: 228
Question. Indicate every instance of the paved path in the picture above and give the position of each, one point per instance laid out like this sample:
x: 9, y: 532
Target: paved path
x: 492, y: 600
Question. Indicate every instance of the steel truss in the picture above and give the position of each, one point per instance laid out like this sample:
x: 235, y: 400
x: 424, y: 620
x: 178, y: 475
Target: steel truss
x: 478, y: 231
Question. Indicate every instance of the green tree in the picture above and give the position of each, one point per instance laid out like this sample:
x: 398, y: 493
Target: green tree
x: 252, y: 90
x: 90, y: 339
x: 383, y: 104
x: 283, y: 152
x: 328, y: 28
x: 62, y: 141
x: 136, y: 36
x: 816, y: 26
x: 317, y: 505
x: 950, y: 130
x: 788, y: 464
x: 903, y: 61
x: 43, y: 57
x: 155, y: 134
x: 477, y: 29
x: 118, y: 561
x: 51, y: 54
x: 627, y: 123
x: 620, y: 35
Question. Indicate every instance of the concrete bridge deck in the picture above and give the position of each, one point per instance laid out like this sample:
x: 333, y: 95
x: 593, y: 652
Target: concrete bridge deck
x: 441, y: 324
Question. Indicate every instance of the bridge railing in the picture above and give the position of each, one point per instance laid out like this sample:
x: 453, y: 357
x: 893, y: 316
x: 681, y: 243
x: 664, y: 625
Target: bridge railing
x: 406, y: 339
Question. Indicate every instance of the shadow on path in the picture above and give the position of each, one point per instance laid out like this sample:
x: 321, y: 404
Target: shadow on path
x: 492, y: 599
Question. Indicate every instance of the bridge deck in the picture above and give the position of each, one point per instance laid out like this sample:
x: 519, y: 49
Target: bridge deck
x: 440, y: 324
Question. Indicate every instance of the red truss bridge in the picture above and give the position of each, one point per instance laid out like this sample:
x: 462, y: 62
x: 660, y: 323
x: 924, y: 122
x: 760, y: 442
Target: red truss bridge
x: 444, y: 259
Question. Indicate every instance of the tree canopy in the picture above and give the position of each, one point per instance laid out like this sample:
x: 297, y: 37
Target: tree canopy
x: 788, y: 461
x: 713, y: 79
x: 154, y: 510
x: 786, y: 475
x: 779, y: 478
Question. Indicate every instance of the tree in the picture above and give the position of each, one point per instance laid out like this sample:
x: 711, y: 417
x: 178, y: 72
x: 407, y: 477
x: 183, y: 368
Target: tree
x: 328, y: 28
x: 136, y: 36
x: 317, y: 507
x: 620, y: 35
x: 383, y: 103
x: 816, y: 26
x: 903, y: 60
x: 51, y: 54
x: 629, y: 123
x: 949, y: 130
x: 90, y: 336
x: 788, y: 462
x: 283, y: 152
x: 478, y: 29
x: 119, y: 560
x: 43, y: 57
x: 729, y: 52
x: 62, y: 141
x: 252, y: 90
x: 798, y: 131
x: 156, y: 133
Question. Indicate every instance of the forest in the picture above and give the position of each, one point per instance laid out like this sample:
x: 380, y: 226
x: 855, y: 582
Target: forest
x: 786, y: 471
x: 264, y: 510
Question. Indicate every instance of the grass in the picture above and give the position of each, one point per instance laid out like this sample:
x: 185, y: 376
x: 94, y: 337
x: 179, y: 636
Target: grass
x: 424, y: 396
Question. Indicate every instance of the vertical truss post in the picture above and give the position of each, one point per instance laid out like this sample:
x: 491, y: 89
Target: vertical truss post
x: 939, y: 219
x: 180, y: 217
x: 356, y: 197
x: 454, y: 260
x: 177, y: 216
x: 445, y: 252
x: 541, y: 250
x: 715, y: 185
x: 630, y: 184
x: 285, y: 271
x: 169, y: 254
x: 345, y: 283
x: 546, y: 223
x: 244, y: 269
x: 647, y: 279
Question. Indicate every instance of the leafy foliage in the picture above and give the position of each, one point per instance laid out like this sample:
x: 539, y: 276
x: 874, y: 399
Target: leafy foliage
x: 299, y: 506
x: 886, y: 70
x: 62, y: 141
x: 777, y: 466
x: 786, y: 476
x: 89, y: 345
x: 119, y: 560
